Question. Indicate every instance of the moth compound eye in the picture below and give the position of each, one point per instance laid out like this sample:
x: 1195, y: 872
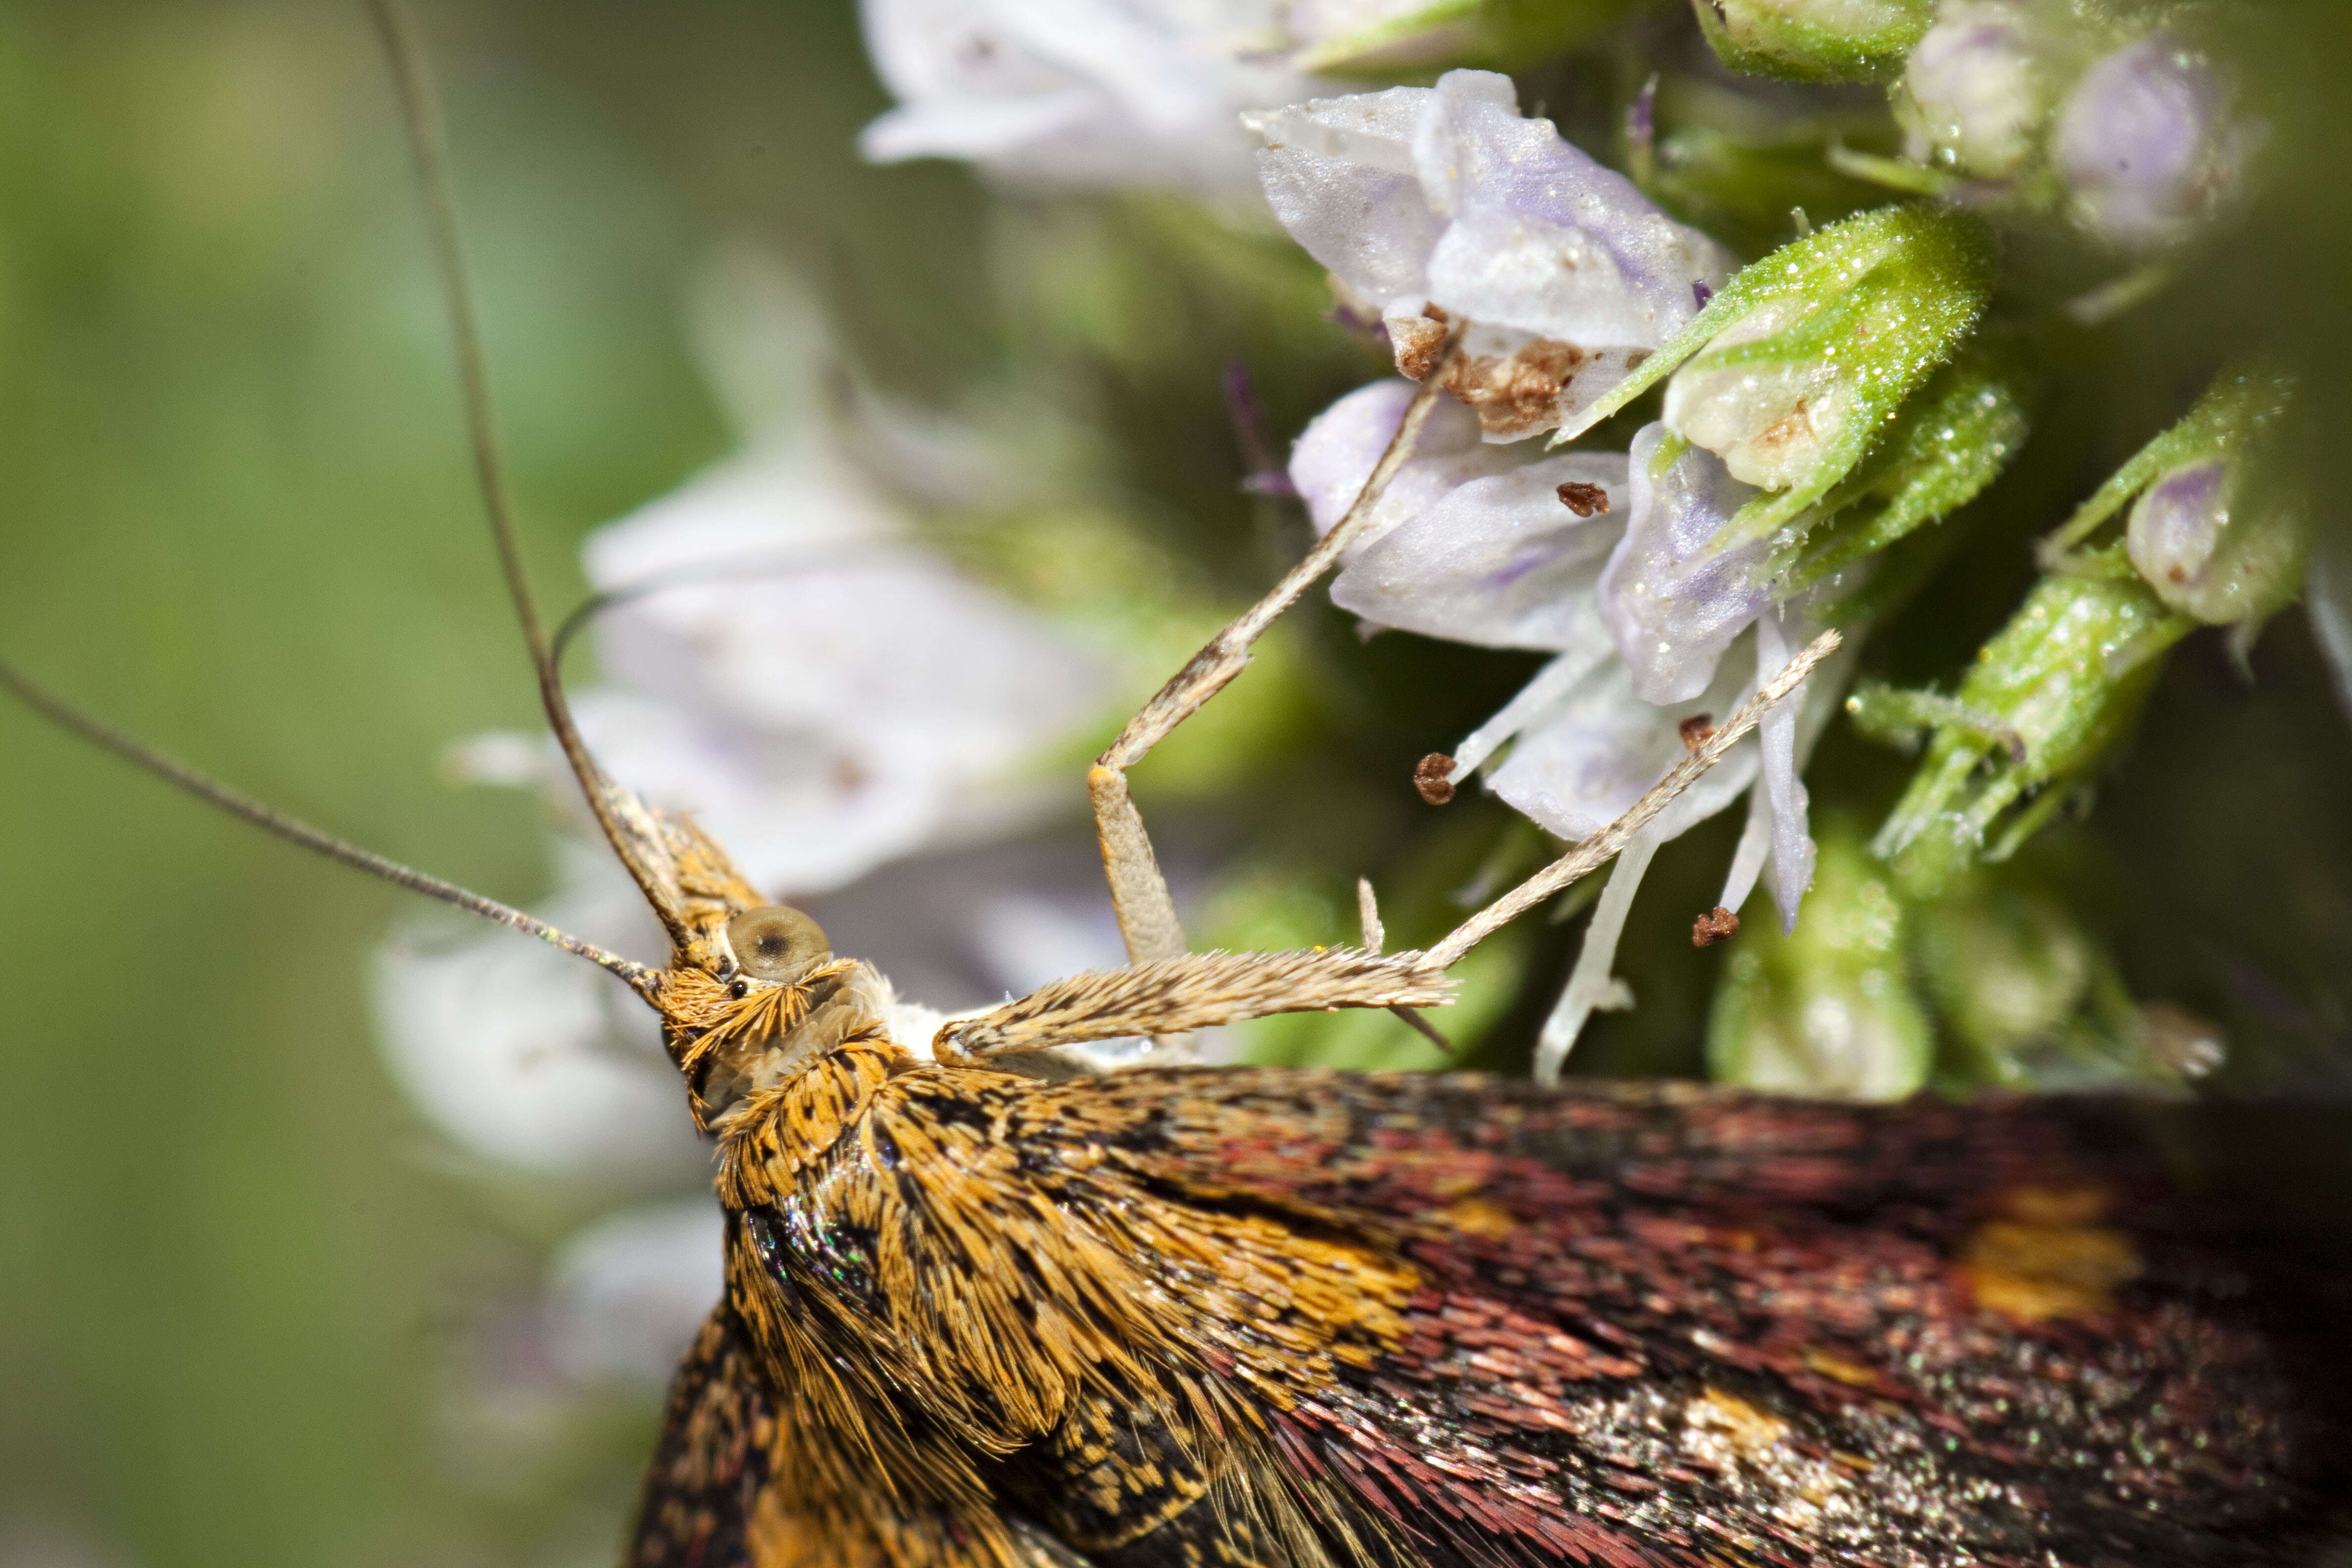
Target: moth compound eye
x: 776, y: 942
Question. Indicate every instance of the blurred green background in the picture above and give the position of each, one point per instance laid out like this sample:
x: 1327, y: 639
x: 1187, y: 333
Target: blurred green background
x: 236, y: 1274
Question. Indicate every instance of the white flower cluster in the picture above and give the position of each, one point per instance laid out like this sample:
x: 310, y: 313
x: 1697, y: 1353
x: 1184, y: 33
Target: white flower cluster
x: 1581, y: 555
x: 1447, y: 197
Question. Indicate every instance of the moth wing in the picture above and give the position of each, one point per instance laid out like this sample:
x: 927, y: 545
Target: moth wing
x: 716, y: 1453
x: 1667, y: 1325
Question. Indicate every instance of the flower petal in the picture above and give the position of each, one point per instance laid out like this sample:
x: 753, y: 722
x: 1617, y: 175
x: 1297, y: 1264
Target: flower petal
x: 1792, y: 844
x: 1499, y: 561
x: 1337, y: 451
x: 1578, y: 767
x: 1671, y: 601
x: 1091, y: 92
x: 1590, y: 987
x: 1442, y: 204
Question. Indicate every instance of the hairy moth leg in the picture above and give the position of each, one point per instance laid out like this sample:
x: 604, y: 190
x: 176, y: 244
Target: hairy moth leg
x: 1193, y: 991
x: 1138, y: 893
x: 1177, y: 994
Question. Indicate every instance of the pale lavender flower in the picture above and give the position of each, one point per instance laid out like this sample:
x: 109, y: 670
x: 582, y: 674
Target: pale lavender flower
x: 1975, y: 91
x: 2148, y: 145
x: 1435, y: 203
x: 1081, y: 92
x: 1491, y: 552
x: 820, y: 692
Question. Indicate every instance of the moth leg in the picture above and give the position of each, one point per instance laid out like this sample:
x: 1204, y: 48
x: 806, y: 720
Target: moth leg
x: 1192, y: 991
x: 1139, y: 893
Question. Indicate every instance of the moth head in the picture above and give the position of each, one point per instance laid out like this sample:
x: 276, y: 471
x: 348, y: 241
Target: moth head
x: 755, y: 997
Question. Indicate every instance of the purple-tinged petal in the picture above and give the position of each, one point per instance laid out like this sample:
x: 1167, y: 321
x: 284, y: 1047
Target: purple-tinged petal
x: 1578, y: 767
x: 1336, y: 453
x: 1671, y: 601
x: 1499, y: 561
x: 1792, y: 844
x: 1544, y: 239
x: 2147, y: 145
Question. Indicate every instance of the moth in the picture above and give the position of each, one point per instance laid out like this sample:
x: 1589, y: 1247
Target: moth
x: 986, y: 1308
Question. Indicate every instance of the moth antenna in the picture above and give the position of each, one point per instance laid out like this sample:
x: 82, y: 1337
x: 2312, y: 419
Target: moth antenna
x: 421, y: 118
x: 294, y: 830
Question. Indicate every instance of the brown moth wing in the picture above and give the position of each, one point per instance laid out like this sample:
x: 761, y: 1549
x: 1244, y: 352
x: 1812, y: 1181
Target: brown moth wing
x: 716, y: 1451
x: 1241, y: 1317
x: 1661, y: 1324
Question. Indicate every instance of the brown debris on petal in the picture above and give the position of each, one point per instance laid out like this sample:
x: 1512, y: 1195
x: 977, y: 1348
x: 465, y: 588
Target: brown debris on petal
x: 1696, y: 730
x: 1417, y: 341
x: 1430, y: 781
x: 1583, y: 500
x: 1718, y: 924
x: 1789, y: 430
x: 1516, y: 394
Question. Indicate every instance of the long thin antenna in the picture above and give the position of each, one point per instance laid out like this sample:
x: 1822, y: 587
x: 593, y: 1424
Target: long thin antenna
x: 294, y: 830
x: 421, y: 115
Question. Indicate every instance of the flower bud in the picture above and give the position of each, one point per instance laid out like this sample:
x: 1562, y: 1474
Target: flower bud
x: 1826, y: 1009
x: 2205, y: 553
x: 2030, y: 999
x: 2221, y: 529
x: 1796, y: 368
x: 1974, y: 94
x: 2006, y: 964
x: 2147, y: 145
x: 1814, y: 40
x: 2046, y: 699
x: 1383, y: 37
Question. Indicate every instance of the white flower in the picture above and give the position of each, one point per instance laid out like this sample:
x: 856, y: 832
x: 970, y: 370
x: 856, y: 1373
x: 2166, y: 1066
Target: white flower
x: 821, y: 692
x: 2148, y: 145
x: 1598, y: 559
x: 1083, y: 92
x: 628, y: 1293
x: 1434, y: 203
x: 525, y: 1056
x: 1974, y: 94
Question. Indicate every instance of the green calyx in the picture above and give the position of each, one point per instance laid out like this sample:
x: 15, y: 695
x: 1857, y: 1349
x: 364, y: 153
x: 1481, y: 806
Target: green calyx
x: 1814, y: 40
x: 2048, y: 697
x: 2247, y: 559
x: 1945, y: 446
x: 1798, y: 368
x: 1828, y: 1008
